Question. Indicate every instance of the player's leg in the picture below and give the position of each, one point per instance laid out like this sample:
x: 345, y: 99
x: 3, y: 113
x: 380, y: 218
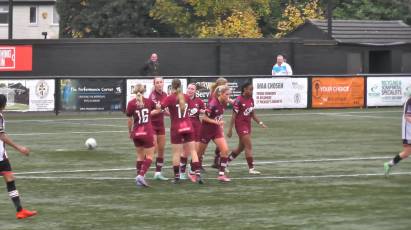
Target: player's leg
x: 236, y: 151
x: 201, y: 150
x: 183, y: 162
x: 176, y: 150
x: 145, y: 165
x: 216, y: 163
x: 223, y: 147
x: 402, y: 155
x: 160, y: 141
x: 195, y: 165
x: 140, y: 159
x: 14, y: 196
x: 248, y: 147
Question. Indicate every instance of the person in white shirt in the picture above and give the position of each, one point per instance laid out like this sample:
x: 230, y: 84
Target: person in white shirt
x: 281, y: 67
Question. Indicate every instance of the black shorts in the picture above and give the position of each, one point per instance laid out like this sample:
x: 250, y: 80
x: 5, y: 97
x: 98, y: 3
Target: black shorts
x: 5, y: 167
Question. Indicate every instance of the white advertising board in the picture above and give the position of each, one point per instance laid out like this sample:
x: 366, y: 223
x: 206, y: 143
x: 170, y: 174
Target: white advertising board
x: 280, y: 92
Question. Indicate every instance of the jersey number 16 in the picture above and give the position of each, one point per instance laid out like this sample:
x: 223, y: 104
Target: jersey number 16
x: 142, y: 116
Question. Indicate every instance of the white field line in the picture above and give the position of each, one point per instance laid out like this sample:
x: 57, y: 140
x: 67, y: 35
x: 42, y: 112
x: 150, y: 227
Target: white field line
x: 231, y: 165
x: 90, y: 124
x: 227, y: 115
x: 296, y: 177
x: 73, y: 132
x: 359, y: 116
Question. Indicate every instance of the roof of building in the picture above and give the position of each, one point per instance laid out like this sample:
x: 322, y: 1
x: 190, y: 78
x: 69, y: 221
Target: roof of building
x: 368, y: 32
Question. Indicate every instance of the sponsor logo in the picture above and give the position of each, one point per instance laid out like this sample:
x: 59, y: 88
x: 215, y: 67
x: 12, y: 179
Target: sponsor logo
x: 391, y: 88
x: 297, y: 86
x: 319, y: 89
x: 335, y: 89
x: 407, y: 91
x: 118, y: 90
x: 193, y: 111
x: 7, y: 57
x: 278, y: 85
x: 297, y: 98
x: 42, y: 89
x: 248, y: 111
x: 374, y: 91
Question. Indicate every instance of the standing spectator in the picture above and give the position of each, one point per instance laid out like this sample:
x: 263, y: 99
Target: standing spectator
x: 152, y: 66
x: 281, y: 67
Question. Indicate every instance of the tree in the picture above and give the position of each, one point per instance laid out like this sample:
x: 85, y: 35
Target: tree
x: 374, y: 10
x: 106, y: 18
x: 219, y: 18
x: 295, y: 15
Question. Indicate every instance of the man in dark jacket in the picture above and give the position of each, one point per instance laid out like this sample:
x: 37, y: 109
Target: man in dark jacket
x: 151, y: 67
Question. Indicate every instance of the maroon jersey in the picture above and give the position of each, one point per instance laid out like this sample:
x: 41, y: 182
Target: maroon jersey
x: 176, y: 115
x: 157, y: 120
x: 181, y: 130
x: 209, y: 131
x: 214, y: 110
x: 195, y: 105
x: 243, y: 107
x: 141, y: 115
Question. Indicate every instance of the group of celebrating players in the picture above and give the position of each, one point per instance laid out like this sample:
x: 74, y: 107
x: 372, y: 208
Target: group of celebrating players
x: 188, y: 134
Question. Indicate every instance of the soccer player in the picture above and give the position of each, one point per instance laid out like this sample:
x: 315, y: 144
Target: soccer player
x: 195, y: 108
x: 157, y: 121
x: 139, y: 111
x: 243, y: 111
x: 181, y: 130
x: 218, y: 82
x: 406, y: 138
x: 5, y: 167
x: 212, y: 128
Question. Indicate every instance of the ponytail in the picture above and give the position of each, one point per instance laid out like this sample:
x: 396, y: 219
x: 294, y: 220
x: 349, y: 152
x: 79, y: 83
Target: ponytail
x: 181, y: 100
x: 139, y: 91
x: 176, y: 86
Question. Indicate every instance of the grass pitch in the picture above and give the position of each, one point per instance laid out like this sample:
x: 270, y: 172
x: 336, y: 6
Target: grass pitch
x: 321, y: 169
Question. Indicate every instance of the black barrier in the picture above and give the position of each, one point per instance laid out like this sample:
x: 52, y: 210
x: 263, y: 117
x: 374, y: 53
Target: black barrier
x: 109, y: 92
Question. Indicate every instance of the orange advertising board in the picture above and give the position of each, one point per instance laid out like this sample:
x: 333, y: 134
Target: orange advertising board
x: 336, y: 92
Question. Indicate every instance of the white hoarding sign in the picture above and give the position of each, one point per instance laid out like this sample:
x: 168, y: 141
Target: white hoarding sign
x: 388, y: 91
x: 28, y: 95
x: 131, y: 83
x: 280, y: 92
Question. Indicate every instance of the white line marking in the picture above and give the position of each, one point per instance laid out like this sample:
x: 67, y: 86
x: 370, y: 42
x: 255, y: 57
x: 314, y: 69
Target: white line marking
x: 231, y: 165
x: 297, y: 177
x: 353, y: 115
x: 227, y: 115
x: 77, y: 132
x: 89, y: 124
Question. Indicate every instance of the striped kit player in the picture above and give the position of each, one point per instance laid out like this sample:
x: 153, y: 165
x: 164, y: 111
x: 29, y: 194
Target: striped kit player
x: 406, y: 138
x: 5, y: 167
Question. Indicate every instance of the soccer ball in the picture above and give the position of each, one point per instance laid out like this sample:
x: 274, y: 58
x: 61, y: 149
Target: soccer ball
x: 91, y: 143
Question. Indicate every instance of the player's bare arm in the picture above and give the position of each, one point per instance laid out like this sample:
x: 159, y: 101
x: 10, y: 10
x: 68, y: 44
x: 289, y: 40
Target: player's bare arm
x: 22, y: 149
x: 230, y: 127
x: 255, y: 118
